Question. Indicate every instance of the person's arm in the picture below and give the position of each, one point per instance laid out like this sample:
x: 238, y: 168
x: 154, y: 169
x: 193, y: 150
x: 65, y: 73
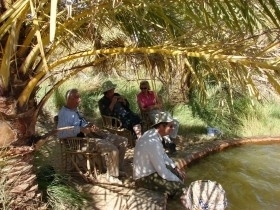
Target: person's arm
x: 104, y: 107
x: 122, y: 100
x: 156, y: 155
x: 170, y: 162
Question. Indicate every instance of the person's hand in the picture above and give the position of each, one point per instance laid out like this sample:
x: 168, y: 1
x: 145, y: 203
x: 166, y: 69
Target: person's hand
x: 85, y: 130
x: 115, y: 99
x: 121, y: 99
x: 91, y: 128
x: 156, y: 106
x: 94, y: 128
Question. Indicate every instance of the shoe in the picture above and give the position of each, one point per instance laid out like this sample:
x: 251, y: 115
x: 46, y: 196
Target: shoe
x: 114, y: 180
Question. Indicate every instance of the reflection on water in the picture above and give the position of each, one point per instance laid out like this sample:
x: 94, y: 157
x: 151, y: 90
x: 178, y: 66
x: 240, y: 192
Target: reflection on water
x: 250, y: 175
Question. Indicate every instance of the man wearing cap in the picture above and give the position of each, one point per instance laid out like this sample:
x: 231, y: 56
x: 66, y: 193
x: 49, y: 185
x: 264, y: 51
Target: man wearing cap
x: 113, y: 104
x: 110, y: 145
x: 152, y: 168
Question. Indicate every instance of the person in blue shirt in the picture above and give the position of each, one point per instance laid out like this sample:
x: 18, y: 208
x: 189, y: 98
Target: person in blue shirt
x: 108, y: 144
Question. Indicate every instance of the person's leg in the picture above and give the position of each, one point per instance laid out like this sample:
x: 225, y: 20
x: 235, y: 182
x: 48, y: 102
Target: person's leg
x: 121, y: 143
x: 134, y: 121
x: 131, y: 121
x: 156, y: 183
x: 112, y: 156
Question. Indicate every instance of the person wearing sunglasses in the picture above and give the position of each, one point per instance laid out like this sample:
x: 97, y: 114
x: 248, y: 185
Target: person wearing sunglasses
x: 152, y: 168
x: 150, y: 104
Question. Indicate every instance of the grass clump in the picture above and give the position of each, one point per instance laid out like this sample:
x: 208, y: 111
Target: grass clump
x: 263, y: 120
x: 62, y: 196
x: 56, y: 190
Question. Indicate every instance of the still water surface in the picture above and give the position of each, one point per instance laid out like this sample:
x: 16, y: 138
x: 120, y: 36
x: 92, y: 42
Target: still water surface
x: 250, y: 175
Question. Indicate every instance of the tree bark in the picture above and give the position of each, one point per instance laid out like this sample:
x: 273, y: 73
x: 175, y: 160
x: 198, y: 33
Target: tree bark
x: 18, y: 179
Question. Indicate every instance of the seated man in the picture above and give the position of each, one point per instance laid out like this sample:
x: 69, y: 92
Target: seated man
x: 111, y: 145
x: 149, y: 103
x: 152, y: 168
x: 113, y: 104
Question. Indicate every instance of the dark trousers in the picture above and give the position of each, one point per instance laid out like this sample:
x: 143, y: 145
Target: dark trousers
x: 156, y: 183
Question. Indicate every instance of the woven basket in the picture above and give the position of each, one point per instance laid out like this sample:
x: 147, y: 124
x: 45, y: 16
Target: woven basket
x: 205, y: 195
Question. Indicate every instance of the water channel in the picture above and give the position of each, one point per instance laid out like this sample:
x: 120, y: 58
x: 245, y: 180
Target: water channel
x: 250, y: 175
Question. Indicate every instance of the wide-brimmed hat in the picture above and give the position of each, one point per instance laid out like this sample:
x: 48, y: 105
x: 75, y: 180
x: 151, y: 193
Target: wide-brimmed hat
x: 108, y: 85
x: 162, y: 117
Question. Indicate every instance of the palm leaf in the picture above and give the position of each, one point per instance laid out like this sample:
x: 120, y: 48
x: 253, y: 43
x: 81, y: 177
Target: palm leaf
x: 53, y: 20
x: 18, y: 11
x: 8, y: 53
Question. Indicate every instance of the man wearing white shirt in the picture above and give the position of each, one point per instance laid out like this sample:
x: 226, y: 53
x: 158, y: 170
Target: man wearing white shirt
x: 152, y: 168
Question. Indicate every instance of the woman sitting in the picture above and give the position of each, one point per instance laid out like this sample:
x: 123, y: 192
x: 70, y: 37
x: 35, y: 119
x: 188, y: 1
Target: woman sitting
x: 150, y: 104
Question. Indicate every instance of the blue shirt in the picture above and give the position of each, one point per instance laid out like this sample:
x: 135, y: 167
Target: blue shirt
x: 70, y: 117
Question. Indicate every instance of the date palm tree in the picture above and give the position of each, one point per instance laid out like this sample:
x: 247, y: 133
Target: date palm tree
x: 187, y: 43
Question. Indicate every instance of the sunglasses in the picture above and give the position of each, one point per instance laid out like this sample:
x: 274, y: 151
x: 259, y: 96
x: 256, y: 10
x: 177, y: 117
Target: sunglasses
x: 143, y: 88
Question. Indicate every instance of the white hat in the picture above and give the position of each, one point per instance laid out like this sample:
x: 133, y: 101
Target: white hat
x: 162, y: 117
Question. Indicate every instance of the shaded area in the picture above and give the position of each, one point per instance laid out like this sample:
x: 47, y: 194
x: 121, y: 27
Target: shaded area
x: 104, y: 196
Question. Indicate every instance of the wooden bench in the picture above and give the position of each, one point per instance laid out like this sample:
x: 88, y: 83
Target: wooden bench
x: 114, y: 125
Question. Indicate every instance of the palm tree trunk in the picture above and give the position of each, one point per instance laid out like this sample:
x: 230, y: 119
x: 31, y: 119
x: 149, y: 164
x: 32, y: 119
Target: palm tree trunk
x: 17, y: 172
x: 18, y: 179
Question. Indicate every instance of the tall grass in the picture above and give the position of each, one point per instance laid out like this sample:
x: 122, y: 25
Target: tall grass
x: 63, y: 196
x: 220, y: 111
x: 264, y: 120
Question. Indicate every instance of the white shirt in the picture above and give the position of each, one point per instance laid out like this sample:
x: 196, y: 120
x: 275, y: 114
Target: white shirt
x: 150, y: 157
